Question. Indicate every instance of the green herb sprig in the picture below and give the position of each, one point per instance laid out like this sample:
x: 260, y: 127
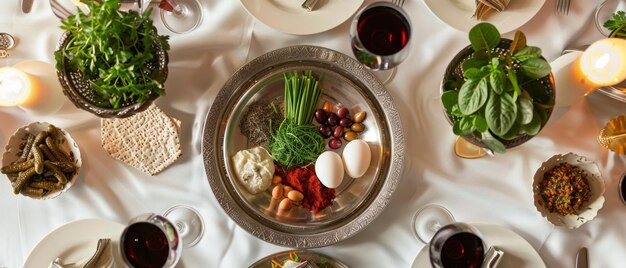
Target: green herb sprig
x: 302, y: 93
x: 297, y: 142
x: 617, y: 25
x: 492, y: 102
x: 296, y: 145
x: 112, y: 50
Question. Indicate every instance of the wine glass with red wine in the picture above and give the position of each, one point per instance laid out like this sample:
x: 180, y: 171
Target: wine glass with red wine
x: 154, y: 241
x: 380, y: 36
x: 457, y: 245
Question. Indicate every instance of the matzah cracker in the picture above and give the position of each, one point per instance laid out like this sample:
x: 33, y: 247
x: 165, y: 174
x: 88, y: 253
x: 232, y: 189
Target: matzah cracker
x: 148, y: 141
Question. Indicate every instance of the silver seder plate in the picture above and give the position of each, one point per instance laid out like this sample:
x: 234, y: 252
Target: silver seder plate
x: 359, y: 201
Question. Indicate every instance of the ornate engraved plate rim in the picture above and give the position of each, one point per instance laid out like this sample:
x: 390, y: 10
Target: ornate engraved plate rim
x: 212, y: 146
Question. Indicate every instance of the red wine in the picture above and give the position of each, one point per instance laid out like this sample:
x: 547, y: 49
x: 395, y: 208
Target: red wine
x: 145, y: 245
x: 462, y: 250
x: 383, y: 30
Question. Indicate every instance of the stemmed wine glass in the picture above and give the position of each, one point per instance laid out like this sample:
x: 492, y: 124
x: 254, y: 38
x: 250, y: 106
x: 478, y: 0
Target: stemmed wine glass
x: 183, y: 17
x: 604, y: 12
x: 178, y: 16
x: 151, y: 240
x: 428, y: 220
x: 380, y: 37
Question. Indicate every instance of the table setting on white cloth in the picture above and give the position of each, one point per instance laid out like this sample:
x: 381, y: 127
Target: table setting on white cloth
x: 494, y: 193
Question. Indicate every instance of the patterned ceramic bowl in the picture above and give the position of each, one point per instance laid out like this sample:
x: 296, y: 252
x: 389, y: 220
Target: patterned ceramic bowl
x: 65, y: 145
x: 590, y: 207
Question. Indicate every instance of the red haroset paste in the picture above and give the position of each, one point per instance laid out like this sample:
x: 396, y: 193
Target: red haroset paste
x: 316, y: 196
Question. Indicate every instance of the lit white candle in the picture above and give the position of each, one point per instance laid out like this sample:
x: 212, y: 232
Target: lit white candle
x: 17, y: 87
x: 603, y: 64
x: 33, y: 86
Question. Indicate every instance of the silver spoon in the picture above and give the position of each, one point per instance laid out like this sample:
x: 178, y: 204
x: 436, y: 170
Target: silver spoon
x: 63, y: 8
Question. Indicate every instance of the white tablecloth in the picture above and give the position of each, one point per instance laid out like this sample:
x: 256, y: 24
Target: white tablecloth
x: 494, y: 189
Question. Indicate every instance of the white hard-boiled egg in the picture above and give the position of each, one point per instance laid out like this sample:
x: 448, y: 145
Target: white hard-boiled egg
x: 329, y: 169
x: 356, y: 158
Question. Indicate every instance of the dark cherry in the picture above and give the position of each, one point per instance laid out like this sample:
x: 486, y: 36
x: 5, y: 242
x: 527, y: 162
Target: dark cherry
x: 334, y: 143
x: 325, y: 131
x: 345, y: 122
x: 320, y: 116
x: 343, y: 112
x: 333, y: 119
x: 338, y: 132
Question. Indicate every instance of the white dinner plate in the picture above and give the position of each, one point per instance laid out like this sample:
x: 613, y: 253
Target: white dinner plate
x: 458, y: 14
x: 74, y: 241
x: 518, y: 253
x: 289, y: 17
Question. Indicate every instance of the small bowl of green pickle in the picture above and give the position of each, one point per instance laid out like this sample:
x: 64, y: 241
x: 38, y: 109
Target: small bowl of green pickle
x: 41, y: 161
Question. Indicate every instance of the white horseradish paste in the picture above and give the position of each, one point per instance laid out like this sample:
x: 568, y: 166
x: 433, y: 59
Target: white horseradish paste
x: 254, y: 168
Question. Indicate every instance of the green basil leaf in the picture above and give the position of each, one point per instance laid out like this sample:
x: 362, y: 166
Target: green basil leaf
x: 480, y: 123
x: 450, y: 85
x: 534, y: 126
x: 495, y: 63
x: 513, y: 133
x: 493, y: 143
x: 484, y: 36
x: 481, y: 54
x: 527, y: 53
x: 525, y: 105
x: 456, y: 128
x: 449, y: 99
x: 513, y: 79
x: 535, y: 68
x: 474, y: 74
x: 456, y: 111
x: 500, y: 112
x: 466, y: 125
x: 473, y: 63
x: 496, y: 81
x: 473, y: 95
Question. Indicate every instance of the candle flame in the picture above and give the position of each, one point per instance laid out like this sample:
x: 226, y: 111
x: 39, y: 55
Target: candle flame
x: 601, y: 62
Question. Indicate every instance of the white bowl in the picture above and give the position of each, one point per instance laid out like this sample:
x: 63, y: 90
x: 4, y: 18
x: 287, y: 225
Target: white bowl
x: 67, y: 145
x: 596, y: 185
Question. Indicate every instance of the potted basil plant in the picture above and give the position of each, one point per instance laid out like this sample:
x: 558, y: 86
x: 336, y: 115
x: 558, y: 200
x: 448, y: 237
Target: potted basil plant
x: 497, y: 93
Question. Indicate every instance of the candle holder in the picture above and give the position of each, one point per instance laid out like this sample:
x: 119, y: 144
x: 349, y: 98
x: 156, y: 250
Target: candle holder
x: 599, y: 67
x: 33, y: 87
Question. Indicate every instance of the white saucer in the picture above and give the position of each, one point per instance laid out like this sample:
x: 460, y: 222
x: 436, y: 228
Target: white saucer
x: 518, y: 253
x: 74, y: 241
x: 289, y: 17
x: 458, y: 14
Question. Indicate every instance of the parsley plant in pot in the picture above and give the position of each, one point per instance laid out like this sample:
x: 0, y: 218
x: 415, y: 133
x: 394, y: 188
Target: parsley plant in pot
x: 109, y: 62
x: 497, y: 93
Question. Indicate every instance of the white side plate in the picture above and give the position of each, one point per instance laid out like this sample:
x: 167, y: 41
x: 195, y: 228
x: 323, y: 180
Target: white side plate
x: 288, y: 16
